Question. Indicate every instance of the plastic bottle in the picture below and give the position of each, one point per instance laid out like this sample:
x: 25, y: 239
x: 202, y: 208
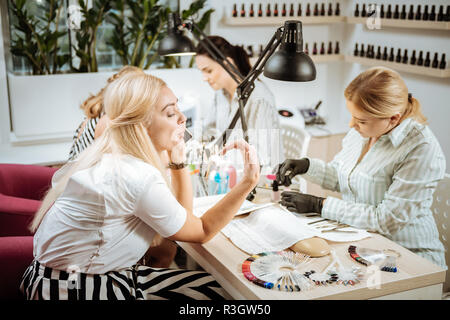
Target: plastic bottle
x: 232, y: 177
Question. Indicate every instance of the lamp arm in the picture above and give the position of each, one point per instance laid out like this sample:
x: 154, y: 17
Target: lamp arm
x: 213, y: 51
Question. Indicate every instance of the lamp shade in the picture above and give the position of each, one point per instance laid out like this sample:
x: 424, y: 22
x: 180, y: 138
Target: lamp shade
x: 175, y: 43
x: 290, y: 63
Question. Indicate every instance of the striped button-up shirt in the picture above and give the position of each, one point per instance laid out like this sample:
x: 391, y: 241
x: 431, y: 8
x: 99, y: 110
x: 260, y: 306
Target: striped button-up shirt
x: 390, y: 191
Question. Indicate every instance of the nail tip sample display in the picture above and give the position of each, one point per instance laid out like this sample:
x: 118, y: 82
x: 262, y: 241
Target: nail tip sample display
x: 368, y: 257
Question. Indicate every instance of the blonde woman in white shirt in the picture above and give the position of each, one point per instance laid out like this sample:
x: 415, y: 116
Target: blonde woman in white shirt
x: 104, y: 209
x: 387, y: 170
x: 260, y: 111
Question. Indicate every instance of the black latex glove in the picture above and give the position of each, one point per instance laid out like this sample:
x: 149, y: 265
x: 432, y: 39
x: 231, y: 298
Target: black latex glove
x: 301, y: 202
x: 295, y: 167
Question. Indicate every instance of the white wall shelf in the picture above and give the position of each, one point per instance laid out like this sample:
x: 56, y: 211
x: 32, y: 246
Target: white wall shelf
x: 317, y: 58
x: 421, y: 70
x: 279, y: 21
x: 411, y: 24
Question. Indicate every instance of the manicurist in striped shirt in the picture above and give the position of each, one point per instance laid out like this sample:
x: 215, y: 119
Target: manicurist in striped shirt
x: 387, y: 170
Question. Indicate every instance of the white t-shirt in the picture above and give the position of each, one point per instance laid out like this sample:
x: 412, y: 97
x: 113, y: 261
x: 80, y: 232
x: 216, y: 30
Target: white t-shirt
x: 107, y: 216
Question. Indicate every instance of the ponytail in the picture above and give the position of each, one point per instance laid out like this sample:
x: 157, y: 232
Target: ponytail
x: 414, y: 110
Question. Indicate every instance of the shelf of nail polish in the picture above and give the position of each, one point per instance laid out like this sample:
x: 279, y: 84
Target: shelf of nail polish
x: 400, y: 60
x: 432, y: 25
x: 256, y: 15
x: 394, y: 16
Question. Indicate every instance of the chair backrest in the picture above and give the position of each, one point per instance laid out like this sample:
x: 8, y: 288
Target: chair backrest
x: 441, y: 212
x: 295, y: 145
x: 25, y: 181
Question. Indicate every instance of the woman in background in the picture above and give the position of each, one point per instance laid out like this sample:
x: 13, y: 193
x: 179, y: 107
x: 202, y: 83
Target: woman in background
x: 387, y: 171
x: 103, y: 210
x: 260, y: 111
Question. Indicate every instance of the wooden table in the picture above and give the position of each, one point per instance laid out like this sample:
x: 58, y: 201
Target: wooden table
x: 417, y: 278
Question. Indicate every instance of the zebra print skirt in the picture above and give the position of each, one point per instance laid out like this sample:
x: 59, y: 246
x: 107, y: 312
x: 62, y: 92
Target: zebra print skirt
x: 135, y: 283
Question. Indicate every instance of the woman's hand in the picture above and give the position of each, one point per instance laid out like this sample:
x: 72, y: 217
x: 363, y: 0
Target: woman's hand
x: 301, y: 202
x: 251, y: 162
x: 290, y: 168
x: 178, y: 153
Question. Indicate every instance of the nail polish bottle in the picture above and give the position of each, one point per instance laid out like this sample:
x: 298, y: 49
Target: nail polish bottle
x: 330, y: 9
x: 440, y: 16
x: 447, y: 14
x: 418, y: 13
x: 356, y: 11
x: 330, y: 48
x: 337, y: 12
x: 427, y: 60
x: 355, y: 52
x: 283, y: 11
x: 413, y: 58
x: 403, y: 13
x: 398, y: 58
x: 385, y: 54
x: 432, y: 16
x: 411, y: 12
x: 291, y: 10
x: 260, y: 11
x: 372, y: 52
x: 363, y: 12
x: 308, y: 10
x: 275, y: 192
x: 299, y: 10
x: 382, y: 11
x: 243, y: 10
x: 322, y: 9
x: 443, y: 62
x: 425, y: 14
x: 322, y: 48
x: 369, y: 47
x: 306, y: 48
x: 405, y: 57
x: 336, y: 48
x: 316, y: 10
x: 420, y: 59
x: 389, y: 12
x: 268, y: 11
x: 251, y: 13
x: 361, y: 52
x: 435, y: 62
x: 234, y: 13
x: 275, y: 11
x: 378, y: 56
x: 315, y: 48
x: 396, y: 12
x: 391, y: 55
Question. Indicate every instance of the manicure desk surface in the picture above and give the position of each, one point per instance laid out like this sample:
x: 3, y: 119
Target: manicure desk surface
x: 416, y: 278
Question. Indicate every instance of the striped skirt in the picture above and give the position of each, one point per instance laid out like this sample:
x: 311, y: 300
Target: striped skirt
x: 136, y: 283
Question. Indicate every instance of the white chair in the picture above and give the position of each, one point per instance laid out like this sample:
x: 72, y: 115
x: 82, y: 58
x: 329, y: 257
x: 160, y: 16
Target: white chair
x: 295, y: 145
x: 441, y: 212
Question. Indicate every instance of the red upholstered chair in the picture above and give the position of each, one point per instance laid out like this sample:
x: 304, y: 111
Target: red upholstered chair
x: 21, y: 189
x: 16, y: 254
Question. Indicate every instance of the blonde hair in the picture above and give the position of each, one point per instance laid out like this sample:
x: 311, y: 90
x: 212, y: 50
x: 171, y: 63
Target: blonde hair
x: 129, y: 104
x: 382, y: 93
x: 93, y: 106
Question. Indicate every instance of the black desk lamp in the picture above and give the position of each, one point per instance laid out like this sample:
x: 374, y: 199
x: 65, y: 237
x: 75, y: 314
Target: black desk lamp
x: 289, y: 63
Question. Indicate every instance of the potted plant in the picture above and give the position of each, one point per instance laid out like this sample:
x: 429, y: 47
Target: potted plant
x: 37, y: 38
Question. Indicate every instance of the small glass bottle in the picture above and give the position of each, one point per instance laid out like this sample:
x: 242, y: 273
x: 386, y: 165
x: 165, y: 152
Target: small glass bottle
x: 275, y: 197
